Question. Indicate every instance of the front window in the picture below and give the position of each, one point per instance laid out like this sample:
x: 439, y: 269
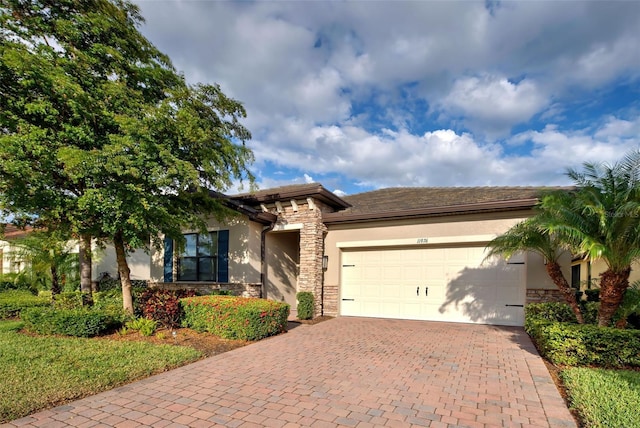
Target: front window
x: 199, y: 258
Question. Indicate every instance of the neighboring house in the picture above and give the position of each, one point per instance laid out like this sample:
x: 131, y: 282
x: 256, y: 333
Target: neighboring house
x: 103, y: 260
x: 411, y: 253
x: 8, y: 262
x: 586, y: 274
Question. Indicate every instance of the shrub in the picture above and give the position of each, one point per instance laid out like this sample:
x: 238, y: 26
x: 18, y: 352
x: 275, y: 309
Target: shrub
x: 590, y: 312
x: 551, y: 311
x: 162, y: 306
x: 17, y: 281
x: 562, y: 341
x: 586, y: 345
x: 145, y: 326
x: 68, y: 300
x: 69, y: 322
x: 13, y: 302
x: 305, y: 305
x: 235, y: 317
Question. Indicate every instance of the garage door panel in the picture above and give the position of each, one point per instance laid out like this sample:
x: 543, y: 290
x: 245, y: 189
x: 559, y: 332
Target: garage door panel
x: 461, y: 288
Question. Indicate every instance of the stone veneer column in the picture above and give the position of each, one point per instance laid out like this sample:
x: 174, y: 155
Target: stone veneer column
x: 311, y: 246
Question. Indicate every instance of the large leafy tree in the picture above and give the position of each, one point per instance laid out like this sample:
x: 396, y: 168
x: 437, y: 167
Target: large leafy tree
x: 530, y: 235
x: 100, y: 134
x: 602, y: 218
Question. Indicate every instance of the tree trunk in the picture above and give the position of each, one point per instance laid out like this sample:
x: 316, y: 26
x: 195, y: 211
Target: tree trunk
x: 55, y: 282
x: 124, y: 272
x: 85, y: 270
x: 555, y: 273
x: 612, y: 288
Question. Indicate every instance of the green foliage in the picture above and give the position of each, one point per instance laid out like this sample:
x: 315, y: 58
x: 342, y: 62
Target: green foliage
x: 550, y: 311
x: 69, y: 322
x: 305, y: 305
x: 101, y: 136
x: 222, y: 293
x: 564, y: 343
x: 17, y: 281
x: 162, y: 306
x: 12, y: 303
x: 49, y: 261
x: 590, y: 312
x: 145, y: 326
x: 235, y: 317
x: 42, y: 372
x: 629, y: 309
x: 604, y: 398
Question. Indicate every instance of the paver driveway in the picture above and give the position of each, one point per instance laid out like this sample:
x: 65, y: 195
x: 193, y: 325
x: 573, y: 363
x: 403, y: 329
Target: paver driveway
x: 353, y: 372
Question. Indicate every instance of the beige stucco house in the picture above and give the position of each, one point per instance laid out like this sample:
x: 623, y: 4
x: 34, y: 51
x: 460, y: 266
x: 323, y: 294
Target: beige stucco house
x: 410, y: 253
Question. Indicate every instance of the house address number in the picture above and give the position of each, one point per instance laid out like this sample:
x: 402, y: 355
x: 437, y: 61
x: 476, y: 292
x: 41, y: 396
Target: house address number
x: 422, y: 241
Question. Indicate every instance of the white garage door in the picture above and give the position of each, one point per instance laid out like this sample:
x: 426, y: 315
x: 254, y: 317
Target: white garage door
x: 440, y: 284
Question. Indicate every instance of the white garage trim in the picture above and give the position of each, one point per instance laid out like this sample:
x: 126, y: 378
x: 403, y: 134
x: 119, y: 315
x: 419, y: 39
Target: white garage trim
x: 423, y: 240
x: 453, y: 284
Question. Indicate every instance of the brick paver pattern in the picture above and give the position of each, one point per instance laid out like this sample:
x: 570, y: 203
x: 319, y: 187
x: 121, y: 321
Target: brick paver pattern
x: 347, y: 372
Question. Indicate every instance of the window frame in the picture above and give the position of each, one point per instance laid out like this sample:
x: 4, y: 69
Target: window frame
x: 212, y: 257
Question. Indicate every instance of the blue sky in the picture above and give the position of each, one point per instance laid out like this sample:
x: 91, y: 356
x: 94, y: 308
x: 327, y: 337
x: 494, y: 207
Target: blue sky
x: 370, y: 94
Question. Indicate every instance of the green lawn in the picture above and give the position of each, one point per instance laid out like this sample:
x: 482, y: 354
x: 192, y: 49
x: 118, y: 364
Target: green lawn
x: 604, y: 398
x: 39, y: 372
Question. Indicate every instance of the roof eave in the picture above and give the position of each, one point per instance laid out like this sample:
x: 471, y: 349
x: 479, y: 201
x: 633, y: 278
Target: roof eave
x: 319, y: 193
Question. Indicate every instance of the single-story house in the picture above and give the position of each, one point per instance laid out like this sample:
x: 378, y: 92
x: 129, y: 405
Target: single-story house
x: 410, y: 253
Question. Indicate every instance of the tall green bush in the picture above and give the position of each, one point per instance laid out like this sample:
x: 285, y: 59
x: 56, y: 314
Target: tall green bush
x: 305, y: 305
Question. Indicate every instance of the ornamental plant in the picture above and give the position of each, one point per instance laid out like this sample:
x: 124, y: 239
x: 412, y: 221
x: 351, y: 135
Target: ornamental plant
x: 163, y: 306
x: 235, y: 317
x: 305, y: 305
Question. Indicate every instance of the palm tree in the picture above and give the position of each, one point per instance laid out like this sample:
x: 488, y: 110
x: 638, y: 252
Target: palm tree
x: 602, y: 217
x: 47, y: 256
x: 530, y: 235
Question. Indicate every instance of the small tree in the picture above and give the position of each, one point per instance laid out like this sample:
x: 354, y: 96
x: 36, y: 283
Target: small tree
x: 530, y: 235
x: 48, y: 256
x: 601, y: 217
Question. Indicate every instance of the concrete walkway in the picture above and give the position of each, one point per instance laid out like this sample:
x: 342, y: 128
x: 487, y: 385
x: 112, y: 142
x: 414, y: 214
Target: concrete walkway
x: 351, y: 372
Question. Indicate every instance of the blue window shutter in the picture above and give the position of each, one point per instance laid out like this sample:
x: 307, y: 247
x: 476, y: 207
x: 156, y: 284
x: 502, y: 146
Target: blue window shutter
x: 223, y: 256
x: 168, y: 260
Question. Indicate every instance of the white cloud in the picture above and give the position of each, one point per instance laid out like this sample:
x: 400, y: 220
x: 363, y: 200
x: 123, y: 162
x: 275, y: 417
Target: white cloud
x: 312, y: 76
x: 492, y: 104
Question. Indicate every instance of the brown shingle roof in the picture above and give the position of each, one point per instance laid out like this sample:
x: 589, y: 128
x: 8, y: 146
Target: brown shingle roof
x: 403, y: 198
x: 405, y: 202
x: 12, y: 232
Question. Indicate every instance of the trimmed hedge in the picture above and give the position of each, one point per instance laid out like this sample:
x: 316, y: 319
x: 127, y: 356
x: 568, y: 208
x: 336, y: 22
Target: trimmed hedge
x: 305, y: 305
x: 69, y: 322
x: 562, y: 341
x: 232, y: 317
x: 13, y: 302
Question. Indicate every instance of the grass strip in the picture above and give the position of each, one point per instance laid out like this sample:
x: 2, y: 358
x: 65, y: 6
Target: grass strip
x: 604, y: 398
x: 41, y: 372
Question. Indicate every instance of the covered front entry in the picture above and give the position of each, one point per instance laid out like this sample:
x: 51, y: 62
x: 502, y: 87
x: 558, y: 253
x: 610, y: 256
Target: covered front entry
x: 441, y: 284
x: 283, y: 266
